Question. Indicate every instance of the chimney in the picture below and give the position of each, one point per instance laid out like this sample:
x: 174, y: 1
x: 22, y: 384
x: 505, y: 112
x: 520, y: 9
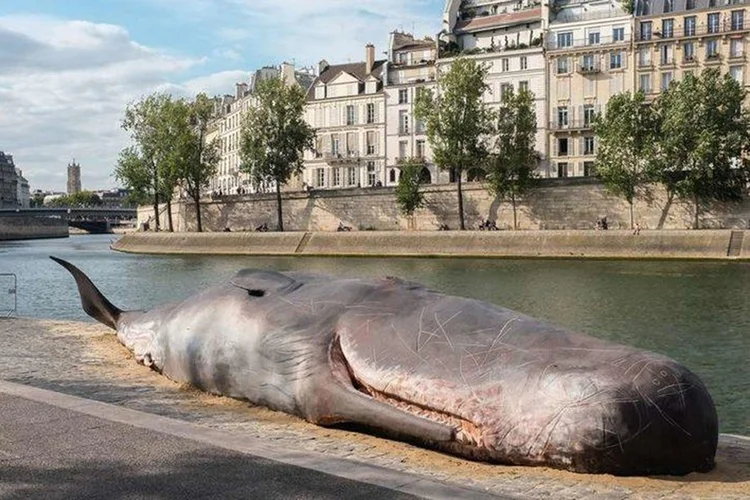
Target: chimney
x: 240, y: 90
x: 369, y: 58
x: 287, y: 73
x: 322, y: 66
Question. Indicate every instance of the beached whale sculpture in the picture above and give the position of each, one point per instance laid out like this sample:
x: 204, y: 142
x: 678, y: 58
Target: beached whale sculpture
x: 455, y: 374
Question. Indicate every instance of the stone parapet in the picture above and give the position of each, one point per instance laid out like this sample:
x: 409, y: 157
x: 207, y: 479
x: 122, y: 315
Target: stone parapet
x: 27, y: 228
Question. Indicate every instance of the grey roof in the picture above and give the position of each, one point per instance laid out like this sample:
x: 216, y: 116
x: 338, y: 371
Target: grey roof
x: 358, y: 70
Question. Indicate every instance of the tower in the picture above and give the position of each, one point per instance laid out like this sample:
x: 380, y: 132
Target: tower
x: 74, y: 178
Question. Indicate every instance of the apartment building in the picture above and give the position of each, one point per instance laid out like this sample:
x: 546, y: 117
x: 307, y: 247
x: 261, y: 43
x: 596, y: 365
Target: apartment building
x: 8, y: 182
x: 230, y: 112
x: 508, y: 37
x: 346, y: 106
x: 589, y: 59
x: 678, y: 37
x: 410, y: 68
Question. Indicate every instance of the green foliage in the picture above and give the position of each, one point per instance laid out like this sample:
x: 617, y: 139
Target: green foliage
x: 704, y: 133
x: 457, y: 119
x: 408, y: 194
x: 275, y: 135
x: 510, y: 171
x: 627, y: 145
x: 37, y: 201
x: 82, y: 199
x: 135, y: 173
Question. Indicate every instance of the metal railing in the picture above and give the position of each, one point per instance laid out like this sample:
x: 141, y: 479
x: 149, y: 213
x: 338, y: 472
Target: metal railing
x: 701, y: 30
x: 11, y: 289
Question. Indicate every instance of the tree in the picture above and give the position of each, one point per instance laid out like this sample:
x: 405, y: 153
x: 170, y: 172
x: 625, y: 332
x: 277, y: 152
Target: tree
x: 145, y: 120
x: 274, y: 136
x: 627, y: 145
x: 408, y: 193
x: 703, y: 137
x: 457, y: 120
x: 193, y: 158
x: 133, y: 171
x: 512, y: 165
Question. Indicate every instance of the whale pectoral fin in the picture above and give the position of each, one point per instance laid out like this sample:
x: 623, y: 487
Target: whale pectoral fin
x: 347, y: 405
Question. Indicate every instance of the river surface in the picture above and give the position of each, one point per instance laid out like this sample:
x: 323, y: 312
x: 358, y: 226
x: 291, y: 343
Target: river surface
x: 695, y: 312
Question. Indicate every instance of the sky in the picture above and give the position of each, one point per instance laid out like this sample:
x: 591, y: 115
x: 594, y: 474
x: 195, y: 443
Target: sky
x: 68, y: 68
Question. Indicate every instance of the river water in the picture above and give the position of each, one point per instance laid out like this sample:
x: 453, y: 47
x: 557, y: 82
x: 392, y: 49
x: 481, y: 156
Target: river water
x: 695, y: 312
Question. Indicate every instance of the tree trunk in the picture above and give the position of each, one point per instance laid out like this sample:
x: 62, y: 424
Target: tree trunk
x: 170, y: 226
x: 515, y: 217
x: 697, y: 212
x: 632, y: 216
x: 198, y: 220
x: 280, y: 221
x: 460, y: 203
x: 156, y: 211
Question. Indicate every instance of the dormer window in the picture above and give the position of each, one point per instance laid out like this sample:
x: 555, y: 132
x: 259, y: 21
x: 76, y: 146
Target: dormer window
x: 320, y: 92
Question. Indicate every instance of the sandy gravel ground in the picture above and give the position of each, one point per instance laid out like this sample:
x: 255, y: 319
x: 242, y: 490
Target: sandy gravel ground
x: 86, y: 360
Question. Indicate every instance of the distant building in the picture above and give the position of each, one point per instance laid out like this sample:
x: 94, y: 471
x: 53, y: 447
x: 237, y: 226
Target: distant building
x: 8, y: 182
x: 410, y: 68
x: 23, y: 192
x: 346, y: 106
x: 74, y: 178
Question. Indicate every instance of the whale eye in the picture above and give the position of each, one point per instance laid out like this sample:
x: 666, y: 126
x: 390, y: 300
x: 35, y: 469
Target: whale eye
x: 256, y: 293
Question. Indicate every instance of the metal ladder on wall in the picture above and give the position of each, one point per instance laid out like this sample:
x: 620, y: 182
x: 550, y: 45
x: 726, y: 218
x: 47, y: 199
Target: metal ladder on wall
x: 9, y: 286
x: 735, y: 244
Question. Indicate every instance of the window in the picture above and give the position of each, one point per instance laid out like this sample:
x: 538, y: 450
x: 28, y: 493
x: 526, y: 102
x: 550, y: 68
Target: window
x: 666, y: 79
x: 505, y: 88
x: 644, y: 83
x: 370, y: 113
x: 336, y: 176
x: 589, y: 168
x: 594, y: 38
x: 713, y: 23
x: 565, y: 39
x: 589, y: 114
x: 735, y: 47
x: 523, y: 86
x: 618, y: 34
x: 419, y: 127
x: 689, y: 26
x: 587, y: 62
x: 667, y: 28
x: 668, y: 6
x: 615, y: 60
x: 689, y: 4
x: 712, y: 49
x: 420, y: 148
x: 738, y: 20
x: 665, y: 54
x: 403, y: 122
x: 506, y: 64
x: 320, y: 177
x: 644, y: 57
x: 646, y: 30
x: 351, y: 176
x: 403, y: 96
x: 335, y: 145
x: 392, y: 176
x: 562, y: 146
x: 370, y: 142
x: 688, y: 51
x: 562, y: 116
x: 371, y: 177
x: 350, y: 118
x: 524, y: 62
x: 712, y: 3
x: 402, y: 147
x: 563, y: 65
x: 562, y: 169
x: 402, y: 57
x: 588, y: 146
x: 736, y: 73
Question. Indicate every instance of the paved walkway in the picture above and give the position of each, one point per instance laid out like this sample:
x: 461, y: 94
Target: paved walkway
x: 59, y: 446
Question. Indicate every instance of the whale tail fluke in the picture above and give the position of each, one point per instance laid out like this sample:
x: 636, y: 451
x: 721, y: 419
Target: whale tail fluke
x: 94, y: 303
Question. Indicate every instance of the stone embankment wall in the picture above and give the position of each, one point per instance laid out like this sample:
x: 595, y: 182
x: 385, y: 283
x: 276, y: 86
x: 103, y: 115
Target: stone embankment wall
x: 555, y: 204
x: 27, y: 228
x: 555, y: 244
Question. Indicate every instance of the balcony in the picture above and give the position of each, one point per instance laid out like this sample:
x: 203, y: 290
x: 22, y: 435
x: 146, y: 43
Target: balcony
x: 589, y: 69
x: 702, y: 30
x: 666, y: 62
x: 572, y: 125
x: 689, y: 60
x: 713, y: 59
x: 341, y: 158
x: 580, y: 43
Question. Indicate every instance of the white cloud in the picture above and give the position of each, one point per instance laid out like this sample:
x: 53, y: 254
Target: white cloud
x: 63, y: 89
